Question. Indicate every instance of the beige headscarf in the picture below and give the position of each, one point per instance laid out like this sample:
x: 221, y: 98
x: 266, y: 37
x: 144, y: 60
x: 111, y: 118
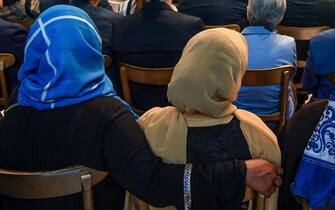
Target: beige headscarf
x: 204, y: 84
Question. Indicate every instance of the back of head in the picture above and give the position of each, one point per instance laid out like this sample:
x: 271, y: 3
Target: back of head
x: 209, y: 73
x: 266, y: 13
x: 63, y: 63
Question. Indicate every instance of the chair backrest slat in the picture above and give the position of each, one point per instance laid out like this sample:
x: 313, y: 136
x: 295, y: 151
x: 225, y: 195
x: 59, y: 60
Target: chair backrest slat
x: 234, y: 27
x: 263, y: 77
x: 301, y: 33
x: 6, y: 61
x: 148, y: 76
x: 51, y: 184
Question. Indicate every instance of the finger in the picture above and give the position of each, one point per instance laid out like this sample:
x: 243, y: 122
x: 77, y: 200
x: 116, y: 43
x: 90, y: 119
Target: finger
x: 267, y: 194
x: 273, y: 189
x: 278, y: 181
x: 279, y: 170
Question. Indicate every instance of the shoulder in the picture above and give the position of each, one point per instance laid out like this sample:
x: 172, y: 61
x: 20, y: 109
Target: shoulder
x: 12, y: 33
x: 7, y: 27
x: 186, y: 19
x: 255, y: 123
x: 107, y: 107
x: 308, y: 113
x: 156, y: 115
x: 324, y: 37
x: 285, y: 40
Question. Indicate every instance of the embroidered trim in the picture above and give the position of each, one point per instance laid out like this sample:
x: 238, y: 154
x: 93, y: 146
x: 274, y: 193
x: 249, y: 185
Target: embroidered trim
x: 11, y: 107
x: 187, y: 187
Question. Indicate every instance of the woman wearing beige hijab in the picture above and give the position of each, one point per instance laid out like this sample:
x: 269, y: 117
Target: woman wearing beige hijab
x: 203, y: 125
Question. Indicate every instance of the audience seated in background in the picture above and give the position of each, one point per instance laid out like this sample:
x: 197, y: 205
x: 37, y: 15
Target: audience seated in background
x: 203, y: 125
x: 155, y: 37
x: 72, y: 116
x: 103, y: 18
x: 216, y: 12
x: 309, y: 13
x: 45, y: 4
x: 320, y: 63
x: 267, y: 49
x: 12, y: 40
x: 292, y: 141
x: 14, y: 10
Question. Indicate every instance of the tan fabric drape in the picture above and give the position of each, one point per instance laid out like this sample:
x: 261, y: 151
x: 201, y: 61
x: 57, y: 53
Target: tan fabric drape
x: 204, y: 84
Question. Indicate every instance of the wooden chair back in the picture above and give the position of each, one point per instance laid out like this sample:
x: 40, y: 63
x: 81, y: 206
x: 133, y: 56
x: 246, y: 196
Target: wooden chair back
x: 6, y: 61
x: 116, y: 5
x: 262, y: 77
x: 306, y: 207
x: 51, y: 184
x: 148, y: 76
x: 107, y: 61
x: 301, y: 34
x: 234, y: 27
x: 332, y: 77
x: 139, y: 5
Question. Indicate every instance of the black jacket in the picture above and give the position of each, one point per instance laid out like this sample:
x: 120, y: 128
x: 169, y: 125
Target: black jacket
x: 104, y: 19
x: 12, y: 40
x: 308, y: 13
x: 217, y: 12
x: 101, y: 134
x: 155, y: 37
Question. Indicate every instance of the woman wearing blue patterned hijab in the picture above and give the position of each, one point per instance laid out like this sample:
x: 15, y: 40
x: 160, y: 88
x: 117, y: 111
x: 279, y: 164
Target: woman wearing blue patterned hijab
x: 315, y: 179
x: 63, y: 64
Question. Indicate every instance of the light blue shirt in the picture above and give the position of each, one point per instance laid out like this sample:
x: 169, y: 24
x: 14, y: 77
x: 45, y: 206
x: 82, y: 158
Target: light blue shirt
x: 267, y: 49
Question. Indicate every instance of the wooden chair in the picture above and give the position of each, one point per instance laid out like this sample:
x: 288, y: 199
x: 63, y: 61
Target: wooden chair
x: 301, y: 34
x: 51, y: 184
x: 234, y: 27
x: 6, y: 60
x: 148, y: 76
x: 272, y: 76
x: 107, y: 61
x: 116, y: 5
x: 139, y: 5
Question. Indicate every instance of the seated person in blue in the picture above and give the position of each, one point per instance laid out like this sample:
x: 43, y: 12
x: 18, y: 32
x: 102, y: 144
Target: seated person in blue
x: 217, y: 12
x: 267, y: 49
x: 320, y: 63
x: 68, y: 113
x: 12, y: 40
x: 155, y: 37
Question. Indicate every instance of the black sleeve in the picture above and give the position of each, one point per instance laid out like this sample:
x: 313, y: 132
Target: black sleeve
x: 131, y: 163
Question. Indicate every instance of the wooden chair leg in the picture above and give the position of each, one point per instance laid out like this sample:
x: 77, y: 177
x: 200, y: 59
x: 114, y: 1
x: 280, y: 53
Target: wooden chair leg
x: 86, y: 181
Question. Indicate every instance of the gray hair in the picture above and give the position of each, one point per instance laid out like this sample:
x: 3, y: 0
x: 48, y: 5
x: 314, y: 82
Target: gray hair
x: 266, y: 13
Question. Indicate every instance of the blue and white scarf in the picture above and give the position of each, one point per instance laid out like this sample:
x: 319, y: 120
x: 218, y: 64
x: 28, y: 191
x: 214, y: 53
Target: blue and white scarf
x: 315, y: 180
x: 63, y: 63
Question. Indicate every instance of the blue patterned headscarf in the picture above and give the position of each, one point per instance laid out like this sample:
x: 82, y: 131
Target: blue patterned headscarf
x: 315, y: 180
x: 63, y: 63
